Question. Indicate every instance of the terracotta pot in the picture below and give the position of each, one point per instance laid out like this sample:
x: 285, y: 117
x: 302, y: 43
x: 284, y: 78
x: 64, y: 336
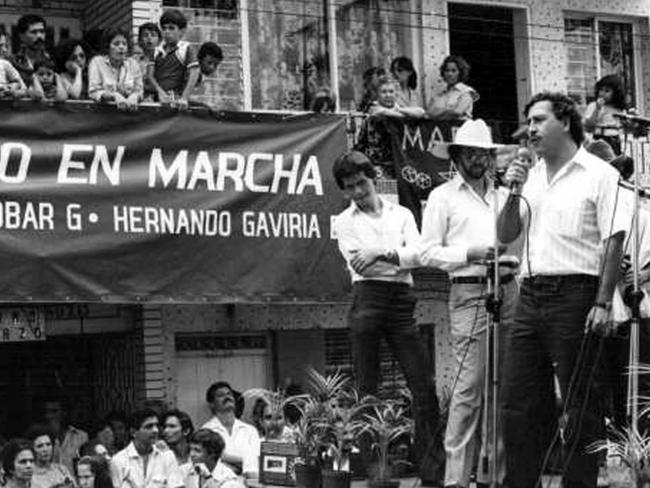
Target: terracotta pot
x: 336, y: 479
x: 383, y: 484
x: 307, y: 476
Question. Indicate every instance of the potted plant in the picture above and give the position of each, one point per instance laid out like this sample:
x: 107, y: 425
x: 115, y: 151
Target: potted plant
x: 271, y: 417
x: 342, y: 425
x: 386, y: 423
x: 310, y: 430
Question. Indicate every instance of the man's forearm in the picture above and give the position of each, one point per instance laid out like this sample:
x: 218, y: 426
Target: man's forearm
x: 612, y: 259
x: 509, y: 222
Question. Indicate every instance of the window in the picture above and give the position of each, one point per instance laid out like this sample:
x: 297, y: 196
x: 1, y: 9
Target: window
x: 288, y: 53
x: 596, y: 48
x: 369, y: 33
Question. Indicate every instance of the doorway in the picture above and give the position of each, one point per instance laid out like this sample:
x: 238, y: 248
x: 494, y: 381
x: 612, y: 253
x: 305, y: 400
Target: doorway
x: 493, y: 41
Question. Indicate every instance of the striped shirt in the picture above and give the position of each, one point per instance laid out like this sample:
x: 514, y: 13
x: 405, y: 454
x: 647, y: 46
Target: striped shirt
x: 393, y: 229
x: 571, y: 215
x: 455, y: 219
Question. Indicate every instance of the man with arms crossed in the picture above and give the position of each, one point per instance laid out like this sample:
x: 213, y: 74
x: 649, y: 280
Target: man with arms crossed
x: 379, y: 240
x: 565, y: 297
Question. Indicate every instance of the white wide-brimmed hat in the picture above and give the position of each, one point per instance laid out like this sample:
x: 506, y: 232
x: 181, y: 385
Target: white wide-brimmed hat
x: 473, y: 133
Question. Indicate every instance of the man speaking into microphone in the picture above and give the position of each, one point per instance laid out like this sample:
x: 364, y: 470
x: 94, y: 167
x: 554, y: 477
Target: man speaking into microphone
x: 573, y: 249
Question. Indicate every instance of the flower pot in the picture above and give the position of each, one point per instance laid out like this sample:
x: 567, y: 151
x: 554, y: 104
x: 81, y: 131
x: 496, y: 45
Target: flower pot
x: 336, y: 479
x: 383, y: 484
x: 307, y: 476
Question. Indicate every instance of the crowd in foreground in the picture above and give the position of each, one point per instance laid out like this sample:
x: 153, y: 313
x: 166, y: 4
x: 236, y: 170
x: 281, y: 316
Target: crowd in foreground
x: 147, y: 449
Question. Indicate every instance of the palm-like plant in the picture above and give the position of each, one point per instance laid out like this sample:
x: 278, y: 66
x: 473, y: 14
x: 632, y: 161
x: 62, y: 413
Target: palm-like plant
x: 631, y: 447
x: 326, y: 388
x: 386, y: 423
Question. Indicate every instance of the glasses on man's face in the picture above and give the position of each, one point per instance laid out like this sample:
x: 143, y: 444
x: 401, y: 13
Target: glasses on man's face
x: 480, y: 156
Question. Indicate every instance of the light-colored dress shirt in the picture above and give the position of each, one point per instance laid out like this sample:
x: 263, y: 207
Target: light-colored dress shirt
x: 104, y: 78
x: 221, y: 477
x: 571, y: 215
x: 9, y: 74
x: 393, y: 229
x: 244, y: 442
x: 459, y: 98
x: 128, y: 469
x: 54, y: 474
x: 456, y: 218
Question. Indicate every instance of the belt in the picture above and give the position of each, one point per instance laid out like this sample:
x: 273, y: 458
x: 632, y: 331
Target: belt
x: 575, y: 279
x: 479, y: 280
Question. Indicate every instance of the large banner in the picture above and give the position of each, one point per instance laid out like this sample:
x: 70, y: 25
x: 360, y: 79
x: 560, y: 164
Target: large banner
x: 419, y: 170
x: 102, y: 205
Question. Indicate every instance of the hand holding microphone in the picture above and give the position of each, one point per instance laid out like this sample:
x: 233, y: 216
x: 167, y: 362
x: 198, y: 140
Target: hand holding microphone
x: 517, y: 172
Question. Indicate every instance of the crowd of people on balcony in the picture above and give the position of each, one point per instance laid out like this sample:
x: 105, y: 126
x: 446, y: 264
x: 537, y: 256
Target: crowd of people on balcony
x: 223, y: 453
x: 162, y: 67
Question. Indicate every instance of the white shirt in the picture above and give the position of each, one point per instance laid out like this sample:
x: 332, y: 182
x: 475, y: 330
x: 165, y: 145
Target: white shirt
x: 244, y: 442
x: 571, y: 215
x: 456, y: 218
x: 393, y: 229
x: 221, y: 477
x: 644, y: 228
x: 128, y: 470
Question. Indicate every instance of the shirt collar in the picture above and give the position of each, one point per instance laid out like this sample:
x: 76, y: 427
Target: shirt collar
x: 386, y: 205
x: 133, y: 453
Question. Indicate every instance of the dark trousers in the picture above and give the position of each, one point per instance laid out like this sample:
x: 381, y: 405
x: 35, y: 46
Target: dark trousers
x: 548, y: 337
x: 385, y: 310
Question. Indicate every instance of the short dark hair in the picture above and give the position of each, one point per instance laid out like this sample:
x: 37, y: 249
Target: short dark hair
x: 138, y: 417
x: 212, y: 390
x: 624, y: 164
x: 109, y: 34
x: 323, y: 103
x: 10, y: 452
x: 99, y: 467
x: 616, y: 85
x: 173, y: 16
x: 148, y: 26
x: 26, y: 21
x: 210, y: 49
x: 384, y: 80
x: 43, y: 62
x: 459, y: 61
x: 404, y: 63
x: 64, y: 50
x: 37, y: 430
x: 564, y: 109
x: 352, y: 163
x: 183, y: 418
x: 212, y: 443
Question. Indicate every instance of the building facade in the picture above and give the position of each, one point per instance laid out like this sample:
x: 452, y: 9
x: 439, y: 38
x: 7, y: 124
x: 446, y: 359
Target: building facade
x: 278, y: 55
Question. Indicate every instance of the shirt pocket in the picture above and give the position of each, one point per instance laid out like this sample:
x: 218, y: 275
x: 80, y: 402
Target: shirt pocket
x: 571, y: 220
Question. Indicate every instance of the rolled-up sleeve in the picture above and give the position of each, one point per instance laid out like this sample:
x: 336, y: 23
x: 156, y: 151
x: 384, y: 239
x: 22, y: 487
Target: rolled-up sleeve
x: 434, y: 252
x: 409, y: 253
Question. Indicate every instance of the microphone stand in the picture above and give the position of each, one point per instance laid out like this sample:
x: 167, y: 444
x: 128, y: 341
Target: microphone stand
x: 493, y: 308
x: 637, y: 127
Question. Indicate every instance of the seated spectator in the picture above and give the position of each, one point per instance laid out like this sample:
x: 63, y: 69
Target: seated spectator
x: 70, y: 56
x: 177, y: 428
x: 93, y: 472
x: 113, y: 76
x: 68, y: 439
x: 457, y: 100
x: 11, y: 84
x: 176, y: 69
x: 323, y: 102
x: 127, y: 465
x: 599, y: 117
x: 242, y: 440
x: 370, y: 87
x: 148, y: 39
x: 46, y: 84
x: 406, y: 76
x: 4, y: 45
x: 46, y: 472
x: 210, y: 57
x: 31, y: 30
x: 18, y: 463
x: 207, y: 470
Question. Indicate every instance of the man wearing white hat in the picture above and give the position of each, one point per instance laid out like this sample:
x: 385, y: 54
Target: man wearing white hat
x: 458, y: 235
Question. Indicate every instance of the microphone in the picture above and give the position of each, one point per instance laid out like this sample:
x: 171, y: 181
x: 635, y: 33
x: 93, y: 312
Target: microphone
x: 525, y: 157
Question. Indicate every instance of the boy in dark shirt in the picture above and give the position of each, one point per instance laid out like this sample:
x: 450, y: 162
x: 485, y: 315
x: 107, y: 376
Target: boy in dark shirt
x: 176, y: 69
